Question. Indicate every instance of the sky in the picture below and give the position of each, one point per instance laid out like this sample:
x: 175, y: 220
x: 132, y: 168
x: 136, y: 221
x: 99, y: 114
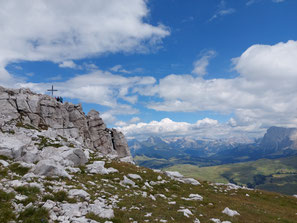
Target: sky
x: 195, y: 68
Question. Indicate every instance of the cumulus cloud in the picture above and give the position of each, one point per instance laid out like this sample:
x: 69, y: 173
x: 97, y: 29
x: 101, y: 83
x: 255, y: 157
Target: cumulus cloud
x: 264, y: 62
x: 264, y: 93
x: 131, y: 121
x: 59, y: 31
x: 108, y: 118
x: 205, y: 128
x: 68, y: 64
x: 99, y: 87
x: 201, y: 64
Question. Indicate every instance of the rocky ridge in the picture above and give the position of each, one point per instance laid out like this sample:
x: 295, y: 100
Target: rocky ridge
x: 55, y: 122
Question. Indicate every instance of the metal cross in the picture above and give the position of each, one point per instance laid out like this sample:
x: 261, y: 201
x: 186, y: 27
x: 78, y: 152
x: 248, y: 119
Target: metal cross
x: 52, y: 90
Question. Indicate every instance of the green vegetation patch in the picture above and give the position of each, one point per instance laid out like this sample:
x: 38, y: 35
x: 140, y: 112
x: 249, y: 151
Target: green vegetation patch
x: 26, y: 126
x: 267, y: 174
x: 45, y: 142
x: 17, y: 168
x: 34, y: 215
x: 6, y: 213
x: 31, y: 192
x: 59, y: 196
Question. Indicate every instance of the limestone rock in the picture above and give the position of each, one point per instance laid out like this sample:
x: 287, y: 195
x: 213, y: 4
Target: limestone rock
x: 78, y: 193
x: 120, y: 144
x: 99, y: 208
x: 98, y: 168
x: 64, y: 155
x: 50, y: 168
x: 67, y: 120
x: 230, y: 212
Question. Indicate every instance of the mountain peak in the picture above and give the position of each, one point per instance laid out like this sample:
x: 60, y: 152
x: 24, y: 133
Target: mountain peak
x: 277, y: 137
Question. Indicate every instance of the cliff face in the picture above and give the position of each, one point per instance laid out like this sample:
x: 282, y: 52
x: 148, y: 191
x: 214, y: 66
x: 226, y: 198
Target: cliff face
x: 21, y: 107
x: 277, y: 138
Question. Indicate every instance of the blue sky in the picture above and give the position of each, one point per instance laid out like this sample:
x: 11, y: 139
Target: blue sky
x: 199, y: 68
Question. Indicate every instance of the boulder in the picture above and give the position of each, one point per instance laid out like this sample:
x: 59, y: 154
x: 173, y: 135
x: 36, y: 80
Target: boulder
x: 98, y: 168
x: 99, y: 208
x: 50, y: 168
x: 79, y: 193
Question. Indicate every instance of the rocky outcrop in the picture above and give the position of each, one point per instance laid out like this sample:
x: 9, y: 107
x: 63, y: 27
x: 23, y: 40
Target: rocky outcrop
x: 25, y: 108
x: 279, y: 138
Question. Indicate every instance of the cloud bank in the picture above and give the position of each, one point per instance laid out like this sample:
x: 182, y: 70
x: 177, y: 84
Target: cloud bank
x: 202, y: 129
x: 58, y: 31
x: 264, y: 94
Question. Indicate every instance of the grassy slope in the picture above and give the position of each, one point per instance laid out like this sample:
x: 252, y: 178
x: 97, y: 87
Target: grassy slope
x: 257, y: 207
x: 281, y: 174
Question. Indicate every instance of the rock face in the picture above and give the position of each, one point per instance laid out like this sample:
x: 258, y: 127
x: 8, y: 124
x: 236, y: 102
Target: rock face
x: 23, y: 107
x: 278, y: 138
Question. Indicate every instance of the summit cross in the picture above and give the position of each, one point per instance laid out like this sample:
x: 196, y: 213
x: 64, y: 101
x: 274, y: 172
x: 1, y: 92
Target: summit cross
x: 52, y: 90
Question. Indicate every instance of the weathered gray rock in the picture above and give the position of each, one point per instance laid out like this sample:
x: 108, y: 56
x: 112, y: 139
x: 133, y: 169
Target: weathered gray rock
x: 50, y: 168
x: 67, y: 120
x: 99, y: 208
x: 127, y: 181
x: 78, y: 193
x: 120, y: 144
x: 12, y: 146
x: 64, y: 155
x: 97, y: 167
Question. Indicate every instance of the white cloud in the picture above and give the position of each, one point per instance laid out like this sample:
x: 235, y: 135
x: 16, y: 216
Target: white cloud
x: 90, y: 66
x: 119, y: 68
x: 134, y: 120
x: 131, y: 121
x: 201, y: 64
x: 68, y: 64
x: 222, y: 11
x: 108, y: 118
x: 99, y: 87
x: 264, y: 94
x: 205, y: 128
x: 265, y: 62
x: 207, y: 122
x: 59, y: 31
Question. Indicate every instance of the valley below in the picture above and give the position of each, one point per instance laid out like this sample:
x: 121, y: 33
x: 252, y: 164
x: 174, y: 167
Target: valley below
x: 268, y: 163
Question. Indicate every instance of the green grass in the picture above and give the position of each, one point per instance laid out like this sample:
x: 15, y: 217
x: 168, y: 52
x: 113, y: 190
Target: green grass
x: 34, y: 215
x: 274, y: 175
x: 17, y: 168
x: 59, y: 196
x: 31, y: 192
x: 45, y: 142
x: 26, y: 126
x: 3, y: 157
x: 6, y: 213
x: 259, y: 206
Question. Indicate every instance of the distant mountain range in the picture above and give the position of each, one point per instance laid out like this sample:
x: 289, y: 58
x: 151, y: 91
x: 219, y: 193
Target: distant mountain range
x: 160, y: 152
